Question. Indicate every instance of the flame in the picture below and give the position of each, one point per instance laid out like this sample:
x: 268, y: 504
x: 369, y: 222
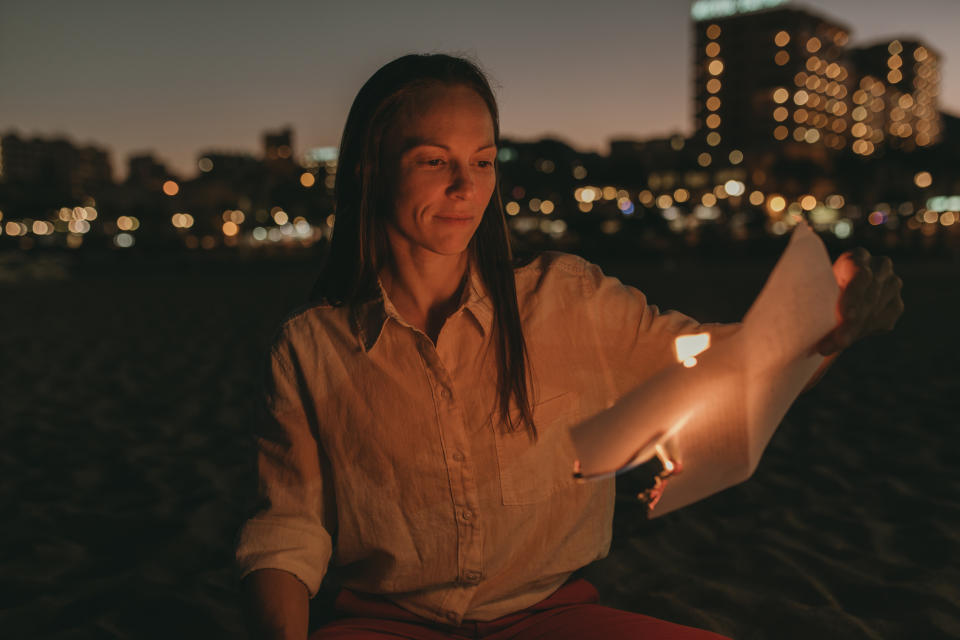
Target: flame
x: 691, y: 345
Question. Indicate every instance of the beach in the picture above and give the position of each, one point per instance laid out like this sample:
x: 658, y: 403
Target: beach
x: 127, y: 466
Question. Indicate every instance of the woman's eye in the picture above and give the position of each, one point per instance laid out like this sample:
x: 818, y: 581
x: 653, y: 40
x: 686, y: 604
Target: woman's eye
x: 434, y: 162
x: 486, y: 164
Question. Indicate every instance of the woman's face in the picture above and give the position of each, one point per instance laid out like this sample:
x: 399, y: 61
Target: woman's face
x: 440, y: 163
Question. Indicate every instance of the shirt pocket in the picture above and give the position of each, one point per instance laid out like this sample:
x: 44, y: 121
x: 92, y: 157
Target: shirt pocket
x: 531, y: 472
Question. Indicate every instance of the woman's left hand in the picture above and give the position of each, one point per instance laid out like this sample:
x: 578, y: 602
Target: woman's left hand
x: 869, y: 300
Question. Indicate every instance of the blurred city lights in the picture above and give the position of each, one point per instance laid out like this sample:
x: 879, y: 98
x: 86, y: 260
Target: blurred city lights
x: 123, y: 240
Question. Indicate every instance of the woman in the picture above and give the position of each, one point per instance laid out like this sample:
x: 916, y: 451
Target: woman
x: 415, y: 411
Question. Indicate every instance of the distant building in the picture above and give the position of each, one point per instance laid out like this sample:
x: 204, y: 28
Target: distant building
x: 146, y: 172
x: 55, y: 164
x: 895, y: 102
x: 769, y: 77
x: 278, y: 145
x: 228, y: 166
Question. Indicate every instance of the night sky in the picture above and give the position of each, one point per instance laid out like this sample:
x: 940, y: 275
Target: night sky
x: 180, y: 77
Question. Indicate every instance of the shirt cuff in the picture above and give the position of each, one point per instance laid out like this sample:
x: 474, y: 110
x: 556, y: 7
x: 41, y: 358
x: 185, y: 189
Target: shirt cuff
x: 267, y: 544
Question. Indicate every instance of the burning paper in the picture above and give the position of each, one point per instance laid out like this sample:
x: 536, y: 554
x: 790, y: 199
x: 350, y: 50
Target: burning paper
x: 718, y: 406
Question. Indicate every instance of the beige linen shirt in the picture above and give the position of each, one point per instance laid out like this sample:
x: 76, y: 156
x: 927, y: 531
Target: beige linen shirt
x: 384, y: 452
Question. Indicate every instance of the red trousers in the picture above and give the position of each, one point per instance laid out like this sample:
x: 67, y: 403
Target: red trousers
x: 571, y: 612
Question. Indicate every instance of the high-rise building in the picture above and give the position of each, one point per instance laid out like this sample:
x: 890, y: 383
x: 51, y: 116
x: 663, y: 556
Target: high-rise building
x: 145, y: 171
x: 895, y: 102
x: 278, y: 145
x: 771, y: 76
x: 56, y: 164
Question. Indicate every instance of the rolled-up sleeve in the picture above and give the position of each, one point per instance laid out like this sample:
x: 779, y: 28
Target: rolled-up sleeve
x: 290, y: 529
x: 634, y: 337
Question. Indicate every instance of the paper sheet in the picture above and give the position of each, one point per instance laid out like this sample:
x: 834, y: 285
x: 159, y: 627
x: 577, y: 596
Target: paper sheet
x: 719, y: 415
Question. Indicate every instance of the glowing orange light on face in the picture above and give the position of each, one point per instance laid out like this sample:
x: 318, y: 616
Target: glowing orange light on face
x: 689, y: 346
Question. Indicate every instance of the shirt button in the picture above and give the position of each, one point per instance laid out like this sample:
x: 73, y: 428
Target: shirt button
x: 458, y: 456
x: 467, y: 515
x: 472, y: 576
x: 445, y: 394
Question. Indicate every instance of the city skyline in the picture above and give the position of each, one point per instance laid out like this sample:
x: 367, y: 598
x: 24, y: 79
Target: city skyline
x: 223, y: 95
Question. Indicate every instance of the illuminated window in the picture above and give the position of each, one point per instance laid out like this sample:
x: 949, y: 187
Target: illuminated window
x: 920, y: 54
x: 704, y: 159
x: 895, y: 62
x: 780, y: 133
x: 895, y: 48
x: 715, y: 67
x: 713, y: 49
x: 782, y: 38
x: 800, y: 97
x: 713, y: 31
x: 812, y: 135
x: 800, y: 134
x: 840, y: 38
x: 713, y: 103
x: 780, y: 114
x: 713, y: 138
x: 781, y: 58
x: 713, y: 85
x: 736, y: 156
x: 756, y: 198
x: 894, y: 76
x: 713, y: 121
x: 780, y: 95
x: 800, y: 115
x: 813, y: 44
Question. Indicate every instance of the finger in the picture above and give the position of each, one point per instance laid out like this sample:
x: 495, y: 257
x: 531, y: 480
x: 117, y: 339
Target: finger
x: 882, y: 267
x: 860, y: 256
x: 855, y: 291
x: 891, y: 289
x: 888, y: 317
x: 887, y: 302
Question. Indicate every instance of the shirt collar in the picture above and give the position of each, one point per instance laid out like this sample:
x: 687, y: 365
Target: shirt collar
x: 369, y: 317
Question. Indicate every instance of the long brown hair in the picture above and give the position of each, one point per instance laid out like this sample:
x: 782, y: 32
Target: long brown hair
x: 359, y: 247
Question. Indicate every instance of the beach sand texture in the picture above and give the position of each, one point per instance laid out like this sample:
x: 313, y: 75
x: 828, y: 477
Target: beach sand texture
x: 126, y: 465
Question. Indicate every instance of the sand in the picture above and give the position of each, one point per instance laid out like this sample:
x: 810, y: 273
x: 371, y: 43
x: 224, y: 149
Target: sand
x: 126, y: 465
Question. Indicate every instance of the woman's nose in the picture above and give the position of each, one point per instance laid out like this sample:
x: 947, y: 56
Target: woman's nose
x: 462, y: 181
